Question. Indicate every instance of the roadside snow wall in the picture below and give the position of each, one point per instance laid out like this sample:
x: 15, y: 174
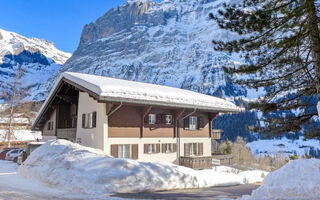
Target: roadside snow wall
x: 297, y: 180
x: 71, y: 166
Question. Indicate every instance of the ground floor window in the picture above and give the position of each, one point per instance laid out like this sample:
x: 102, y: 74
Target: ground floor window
x: 129, y: 151
x: 193, y: 149
x: 124, y: 151
x: 152, y: 148
x: 169, y: 148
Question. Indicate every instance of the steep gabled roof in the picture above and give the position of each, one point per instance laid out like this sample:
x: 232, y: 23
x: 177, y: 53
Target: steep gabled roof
x: 118, y: 90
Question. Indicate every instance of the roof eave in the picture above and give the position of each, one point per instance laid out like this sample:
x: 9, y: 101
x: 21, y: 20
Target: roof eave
x: 173, y: 105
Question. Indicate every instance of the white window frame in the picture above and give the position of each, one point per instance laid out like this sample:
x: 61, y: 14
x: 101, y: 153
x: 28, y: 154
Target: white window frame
x: 193, y: 123
x: 152, y: 118
x: 193, y: 149
x: 170, y: 149
x: 122, y: 153
x: 168, y: 117
x: 152, y: 148
x: 90, y: 120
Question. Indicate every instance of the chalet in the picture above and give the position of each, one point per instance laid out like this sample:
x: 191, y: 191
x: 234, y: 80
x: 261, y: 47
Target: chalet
x: 135, y: 120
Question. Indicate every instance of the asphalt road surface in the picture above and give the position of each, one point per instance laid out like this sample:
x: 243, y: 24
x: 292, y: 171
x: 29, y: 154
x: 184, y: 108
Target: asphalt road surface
x: 222, y: 192
x: 225, y: 192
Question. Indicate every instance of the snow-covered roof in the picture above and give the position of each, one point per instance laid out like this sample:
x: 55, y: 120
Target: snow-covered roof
x: 118, y: 90
x: 137, y: 92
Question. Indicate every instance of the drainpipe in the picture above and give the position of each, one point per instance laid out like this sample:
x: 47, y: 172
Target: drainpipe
x: 119, y: 106
x: 178, y: 132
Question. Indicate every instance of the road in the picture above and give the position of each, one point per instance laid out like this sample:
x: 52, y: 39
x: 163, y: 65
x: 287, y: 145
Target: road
x: 214, y: 193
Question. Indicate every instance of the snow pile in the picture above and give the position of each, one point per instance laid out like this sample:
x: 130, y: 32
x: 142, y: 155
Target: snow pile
x: 89, y: 171
x: 283, y: 146
x: 297, y: 180
x: 21, y: 135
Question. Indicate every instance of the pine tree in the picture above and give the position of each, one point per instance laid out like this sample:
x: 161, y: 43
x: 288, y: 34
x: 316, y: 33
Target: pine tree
x: 280, y: 45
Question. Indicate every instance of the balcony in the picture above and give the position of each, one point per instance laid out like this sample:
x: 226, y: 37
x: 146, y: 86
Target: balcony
x: 197, y: 162
x: 66, y: 133
x: 216, y: 134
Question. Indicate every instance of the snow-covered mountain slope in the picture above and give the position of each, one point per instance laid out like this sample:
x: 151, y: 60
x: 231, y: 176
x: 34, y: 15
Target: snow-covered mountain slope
x: 167, y: 43
x: 39, y: 58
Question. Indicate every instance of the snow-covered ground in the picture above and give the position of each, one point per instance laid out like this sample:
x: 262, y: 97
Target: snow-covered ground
x: 21, y: 135
x: 297, y: 180
x: 89, y: 171
x: 283, y: 147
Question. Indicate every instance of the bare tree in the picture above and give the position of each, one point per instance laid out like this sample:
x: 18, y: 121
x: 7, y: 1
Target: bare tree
x: 12, y: 92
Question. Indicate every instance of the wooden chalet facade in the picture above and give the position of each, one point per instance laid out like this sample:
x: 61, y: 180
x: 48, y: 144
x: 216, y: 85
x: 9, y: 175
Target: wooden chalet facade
x: 126, y: 122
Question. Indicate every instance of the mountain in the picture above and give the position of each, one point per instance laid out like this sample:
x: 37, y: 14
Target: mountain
x: 166, y: 43
x: 38, y: 57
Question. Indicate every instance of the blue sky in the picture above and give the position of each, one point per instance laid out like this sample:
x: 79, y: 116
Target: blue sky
x: 60, y: 21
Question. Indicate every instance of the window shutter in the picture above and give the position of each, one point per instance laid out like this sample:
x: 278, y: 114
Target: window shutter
x: 94, y: 119
x: 51, y: 125
x: 158, y: 119
x: 174, y: 147
x: 164, y: 149
x: 200, y: 123
x: 186, y: 123
x: 83, y: 120
x: 157, y: 148
x: 200, y: 149
x: 114, y: 150
x: 48, y: 128
x: 186, y: 150
x: 145, y: 148
x: 134, y: 151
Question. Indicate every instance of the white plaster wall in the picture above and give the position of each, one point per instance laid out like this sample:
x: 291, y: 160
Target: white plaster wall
x: 93, y: 137
x: 164, y: 157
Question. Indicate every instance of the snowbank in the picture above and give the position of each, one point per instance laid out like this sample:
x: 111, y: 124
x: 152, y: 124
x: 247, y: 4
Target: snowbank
x: 297, y: 180
x: 68, y: 165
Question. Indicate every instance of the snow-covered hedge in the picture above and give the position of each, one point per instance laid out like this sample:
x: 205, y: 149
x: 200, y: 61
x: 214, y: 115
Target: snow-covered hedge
x: 297, y: 180
x: 72, y: 166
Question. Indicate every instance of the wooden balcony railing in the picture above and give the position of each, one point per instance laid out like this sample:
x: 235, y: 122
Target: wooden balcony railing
x: 216, y: 134
x: 66, y: 133
x: 196, y: 162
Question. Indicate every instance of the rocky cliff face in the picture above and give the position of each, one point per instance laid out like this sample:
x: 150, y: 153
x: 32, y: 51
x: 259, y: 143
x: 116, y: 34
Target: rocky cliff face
x: 39, y: 58
x: 166, y: 43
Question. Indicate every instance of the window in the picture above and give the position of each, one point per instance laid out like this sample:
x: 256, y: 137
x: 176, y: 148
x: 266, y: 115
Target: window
x: 124, y: 151
x: 151, y: 148
x: 89, y: 120
x: 192, y: 123
x: 152, y: 118
x: 169, y: 148
x: 168, y: 119
x: 193, y: 149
